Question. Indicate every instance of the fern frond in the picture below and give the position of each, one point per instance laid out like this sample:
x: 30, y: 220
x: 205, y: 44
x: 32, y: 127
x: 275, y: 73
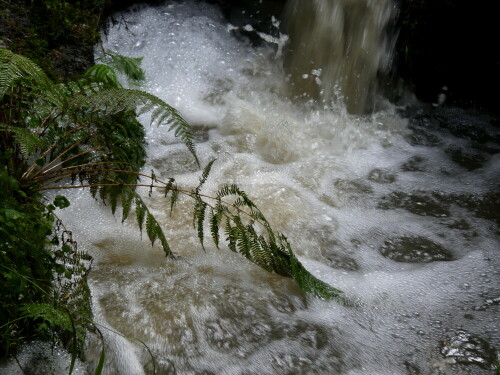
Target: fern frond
x: 173, y: 199
x: 308, y: 282
x: 242, y: 238
x: 204, y: 175
x: 28, y: 141
x: 230, y: 236
x: 199, y: 219
x: 14, y: 67
x: 215, y: 219
x: 233, y: 189
x: 140, y: 211
x: 126, y: 199
x: 129, y: 66
x: 151, y: 228
x: 103, y: 74
x: 48, y: 313
x: 116, y: 100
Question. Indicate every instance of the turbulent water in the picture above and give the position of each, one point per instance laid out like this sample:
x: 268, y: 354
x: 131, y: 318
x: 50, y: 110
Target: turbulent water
x: 336, y: 48
x: 401, y: 214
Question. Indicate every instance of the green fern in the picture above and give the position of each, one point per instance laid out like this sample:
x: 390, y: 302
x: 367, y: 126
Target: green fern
x: 129, y: 66
x: 98, y: 110
x: 199, y: 218
x: 14, y: 67
x: 116, y: 100
x: 28, y: 141
x: 103, y: 74
x: 273, y: 253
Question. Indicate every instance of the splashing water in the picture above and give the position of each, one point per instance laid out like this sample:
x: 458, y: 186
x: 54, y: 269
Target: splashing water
x: 336, y: 49
x: 400, y: 214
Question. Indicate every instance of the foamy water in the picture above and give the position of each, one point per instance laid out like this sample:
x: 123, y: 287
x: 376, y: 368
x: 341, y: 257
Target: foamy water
x: 378, y: 206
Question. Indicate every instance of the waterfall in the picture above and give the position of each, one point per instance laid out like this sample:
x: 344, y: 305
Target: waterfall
x: 336, y: 49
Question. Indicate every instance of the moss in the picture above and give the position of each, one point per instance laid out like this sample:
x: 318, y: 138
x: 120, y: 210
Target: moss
x: 58, y: 35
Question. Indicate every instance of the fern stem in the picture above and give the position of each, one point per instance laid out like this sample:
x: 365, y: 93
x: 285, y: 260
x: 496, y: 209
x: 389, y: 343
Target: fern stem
x: 44, y: 154
x: 189, y: 193
x: 54, y: 160
x: 65, y: 161
x: 45, y: 123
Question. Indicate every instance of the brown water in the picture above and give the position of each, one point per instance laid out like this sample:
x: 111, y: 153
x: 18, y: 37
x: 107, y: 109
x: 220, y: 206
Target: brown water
x: 336, y: 49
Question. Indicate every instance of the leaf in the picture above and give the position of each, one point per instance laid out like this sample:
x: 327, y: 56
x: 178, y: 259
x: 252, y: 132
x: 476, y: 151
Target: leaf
x: 61, y: 202
x: 130, y: 66
x: 100, y: 364
x: 204, y: 175
x: 116, y: 100
x: 173, y: 200
x: 140, y: 211
x: 104, y: 74
x: 199, y: 218
x: 126, y: 204
x: 151, y: 228
x: 215, y: 219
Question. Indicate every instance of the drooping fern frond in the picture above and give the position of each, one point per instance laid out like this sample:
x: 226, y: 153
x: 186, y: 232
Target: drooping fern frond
x: 204, y: 175
x: 129, y: 66
x: 91, y: 124
x: 103, y: 74
x: 28, y: 142
x: 14, y: 67
x: 268, y: 249
x: 116, y: 100
x: 199, y: 218
x: 173, y: 199
x: 153, y: 228
x: 215, y: 220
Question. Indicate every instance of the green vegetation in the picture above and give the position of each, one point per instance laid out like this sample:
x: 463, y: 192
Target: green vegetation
x: 84, y: 134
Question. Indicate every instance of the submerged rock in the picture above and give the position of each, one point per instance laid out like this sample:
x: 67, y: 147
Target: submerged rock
x: 465, y: 348
x: 418, y: 203
x: 381, y: 176
x: 414, y: 249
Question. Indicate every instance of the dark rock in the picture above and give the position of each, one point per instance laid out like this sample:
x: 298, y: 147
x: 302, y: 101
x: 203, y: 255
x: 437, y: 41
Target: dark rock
x: 381, y: 176
x: 414, y: 249
x: 419, y: 203
x: 468, y: 349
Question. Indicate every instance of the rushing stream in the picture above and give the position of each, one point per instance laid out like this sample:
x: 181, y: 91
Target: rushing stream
x: 400, y: 213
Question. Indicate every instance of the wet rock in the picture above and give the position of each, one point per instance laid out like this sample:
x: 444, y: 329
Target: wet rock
x: 411, y: 369
x: 175, y: 163
x: 341, y: 261
x: 488, y: 303
x: 418, y: 204
x: 414, y: 249
x: 381, y: 176
x: 414, y: 164
x: 485, y: 206
x: 467, y: 159
x: 421, y: 137
x: 464, y: 124
x: 465, y: 348
x: 423, y: 129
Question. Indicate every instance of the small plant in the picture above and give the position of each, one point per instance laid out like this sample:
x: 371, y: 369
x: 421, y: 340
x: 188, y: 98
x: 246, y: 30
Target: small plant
x: 84, y: 134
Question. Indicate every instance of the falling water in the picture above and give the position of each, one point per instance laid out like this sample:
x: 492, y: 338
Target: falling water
x: 402, y: 214
x: 336, y: 49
